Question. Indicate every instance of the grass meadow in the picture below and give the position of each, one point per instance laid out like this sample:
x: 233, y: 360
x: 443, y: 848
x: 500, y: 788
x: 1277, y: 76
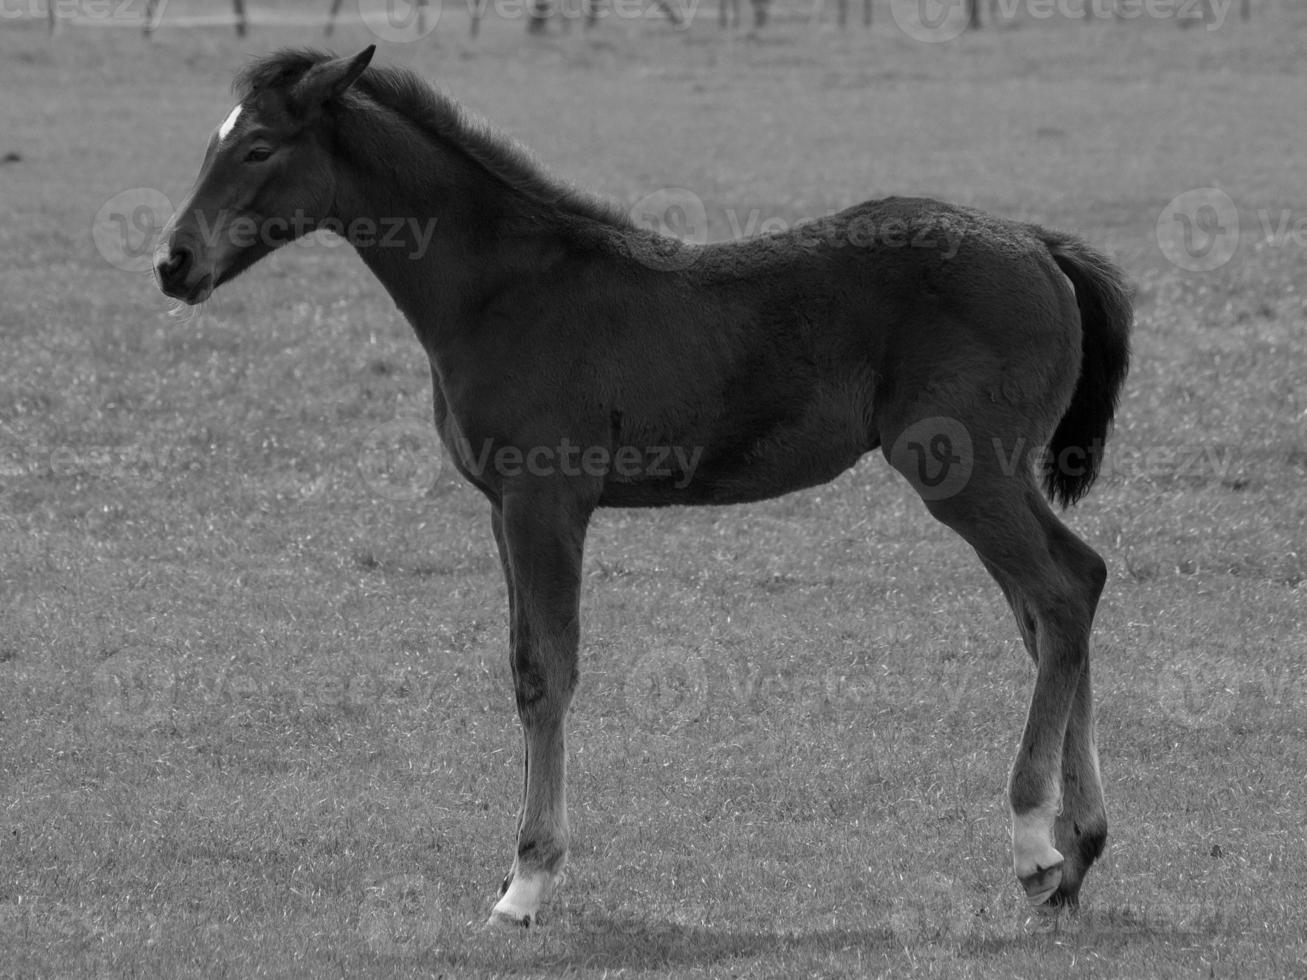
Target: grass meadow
x: 255, y: 706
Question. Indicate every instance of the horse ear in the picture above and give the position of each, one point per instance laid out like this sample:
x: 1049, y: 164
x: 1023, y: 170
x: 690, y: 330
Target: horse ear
x: 330, y: 79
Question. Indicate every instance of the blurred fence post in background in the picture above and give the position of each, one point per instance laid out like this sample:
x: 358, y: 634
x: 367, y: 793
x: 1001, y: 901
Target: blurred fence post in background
x: 539, y: 13
x: 842, y: 12
x: 537, y: 20
x: 150, y: 18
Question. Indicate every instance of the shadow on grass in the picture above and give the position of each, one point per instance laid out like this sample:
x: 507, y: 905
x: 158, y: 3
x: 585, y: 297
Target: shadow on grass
x: 616, y: 942
x: 1108, y: 930
x: 627, y: 942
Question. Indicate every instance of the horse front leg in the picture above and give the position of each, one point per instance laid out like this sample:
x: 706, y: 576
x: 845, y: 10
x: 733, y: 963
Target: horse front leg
x: 542, y: 535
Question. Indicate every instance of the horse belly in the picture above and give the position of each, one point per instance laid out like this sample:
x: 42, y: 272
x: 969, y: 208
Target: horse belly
x: 790, y: 459
x: 731, y: 465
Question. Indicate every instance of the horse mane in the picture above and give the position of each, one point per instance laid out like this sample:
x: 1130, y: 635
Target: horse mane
x: 440, y: 118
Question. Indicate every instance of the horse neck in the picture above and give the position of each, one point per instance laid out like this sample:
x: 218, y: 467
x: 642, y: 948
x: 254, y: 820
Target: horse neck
x: 449, y: 232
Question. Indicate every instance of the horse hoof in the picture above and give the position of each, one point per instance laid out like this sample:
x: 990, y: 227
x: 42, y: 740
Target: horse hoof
x: 506, y: 922
x: 1042, y: 883
x: 518, y: 907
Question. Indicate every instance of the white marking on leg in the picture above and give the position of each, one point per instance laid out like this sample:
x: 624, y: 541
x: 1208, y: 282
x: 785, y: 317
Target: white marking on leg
x: 1091, y: 736
x: 1032, y: 839
x: 526, y: 893
x: 229, y: 124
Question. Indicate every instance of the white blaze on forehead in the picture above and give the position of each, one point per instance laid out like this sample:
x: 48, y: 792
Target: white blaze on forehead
x: 229, y: 123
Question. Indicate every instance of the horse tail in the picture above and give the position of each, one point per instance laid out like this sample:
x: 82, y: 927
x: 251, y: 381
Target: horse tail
x: 1075, y: 453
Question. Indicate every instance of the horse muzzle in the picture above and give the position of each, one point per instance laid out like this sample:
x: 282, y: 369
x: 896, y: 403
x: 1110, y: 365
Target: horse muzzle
x: 180, y: 275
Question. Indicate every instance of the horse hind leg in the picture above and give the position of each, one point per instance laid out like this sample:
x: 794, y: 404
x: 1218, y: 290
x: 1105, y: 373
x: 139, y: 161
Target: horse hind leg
x: 1080, y: 831
x: 1058, y: 599
x: 1080, y: 828
x: 1052, y: 582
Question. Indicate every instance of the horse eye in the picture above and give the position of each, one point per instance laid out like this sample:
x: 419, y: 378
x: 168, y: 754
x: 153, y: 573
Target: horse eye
x: 258, y: 154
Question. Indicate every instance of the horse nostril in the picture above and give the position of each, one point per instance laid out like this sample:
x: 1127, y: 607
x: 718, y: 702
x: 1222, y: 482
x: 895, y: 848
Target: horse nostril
x: 176, y: 265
